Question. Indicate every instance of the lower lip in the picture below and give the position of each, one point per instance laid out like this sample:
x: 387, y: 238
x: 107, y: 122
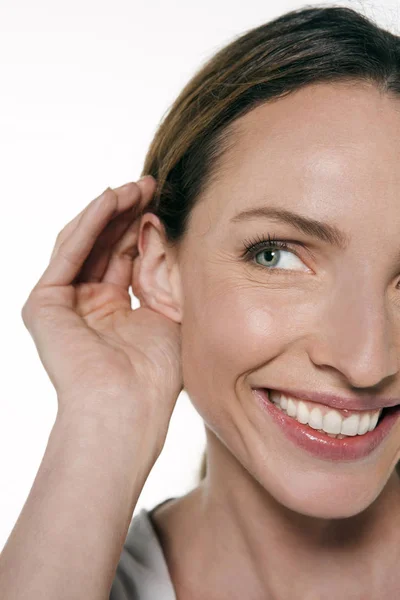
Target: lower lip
x: 321, y: 445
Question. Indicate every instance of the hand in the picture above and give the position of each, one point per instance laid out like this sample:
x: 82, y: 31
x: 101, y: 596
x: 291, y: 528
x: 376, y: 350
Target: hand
x: 97, y: 351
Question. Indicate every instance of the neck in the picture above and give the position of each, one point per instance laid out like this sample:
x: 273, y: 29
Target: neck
x: 251, y: 546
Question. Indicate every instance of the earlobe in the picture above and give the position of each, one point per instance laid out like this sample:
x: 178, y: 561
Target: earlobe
x: 155, y: 276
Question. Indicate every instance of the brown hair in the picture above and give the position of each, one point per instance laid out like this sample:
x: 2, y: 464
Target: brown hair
x: 301, y: 47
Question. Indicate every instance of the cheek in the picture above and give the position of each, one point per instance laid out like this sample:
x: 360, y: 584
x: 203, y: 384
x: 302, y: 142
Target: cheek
x: 230, y: 329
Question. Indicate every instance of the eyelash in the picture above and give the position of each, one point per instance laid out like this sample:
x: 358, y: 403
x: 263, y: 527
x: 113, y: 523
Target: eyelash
x: 255, y: 245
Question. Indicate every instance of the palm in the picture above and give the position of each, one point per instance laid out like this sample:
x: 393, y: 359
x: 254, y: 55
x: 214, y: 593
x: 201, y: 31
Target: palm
x: 107, y: 343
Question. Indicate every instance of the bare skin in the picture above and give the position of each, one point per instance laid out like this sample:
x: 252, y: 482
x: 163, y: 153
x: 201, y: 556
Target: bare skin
x: 270, y: 519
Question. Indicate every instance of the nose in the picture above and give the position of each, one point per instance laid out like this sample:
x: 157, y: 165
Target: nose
x: 358, y: 334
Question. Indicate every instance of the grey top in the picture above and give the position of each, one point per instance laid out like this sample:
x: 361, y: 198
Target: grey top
x: 142, y: 572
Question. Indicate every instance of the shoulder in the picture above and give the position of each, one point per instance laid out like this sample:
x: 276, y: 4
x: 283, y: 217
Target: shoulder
x: 142, y: 572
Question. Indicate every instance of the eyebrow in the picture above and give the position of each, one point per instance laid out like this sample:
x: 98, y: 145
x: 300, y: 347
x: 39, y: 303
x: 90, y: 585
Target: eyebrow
x: 322, y: 231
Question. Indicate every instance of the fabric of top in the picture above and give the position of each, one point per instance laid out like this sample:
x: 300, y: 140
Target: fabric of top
x: 142, y: 572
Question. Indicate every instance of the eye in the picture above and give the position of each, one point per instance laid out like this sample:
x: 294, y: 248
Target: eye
x: 270, y: 250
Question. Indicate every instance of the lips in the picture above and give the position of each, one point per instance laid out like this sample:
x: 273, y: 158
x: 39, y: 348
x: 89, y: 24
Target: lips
x: 320, y: 445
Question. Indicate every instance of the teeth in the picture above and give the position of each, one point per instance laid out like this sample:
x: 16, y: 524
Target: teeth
x: 329, y: 421
x: 302, y: 413
x: 365, y: 423
x: 333, y: 422
x: 291, y: 408
x: 315, y: 419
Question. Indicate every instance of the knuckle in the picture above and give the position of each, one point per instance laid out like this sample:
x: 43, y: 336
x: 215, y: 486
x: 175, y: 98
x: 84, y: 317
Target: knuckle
x: 57, y: 243
x: 109, y: 197
x: 61, y: 235
x: 35, y: 304
x: 68, y: 256
x: 127, y: 187
x: 27, y: 312
x: 109, y: 193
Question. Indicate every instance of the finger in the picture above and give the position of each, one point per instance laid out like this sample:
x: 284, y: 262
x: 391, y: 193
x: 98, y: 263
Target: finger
x: 123, y: 192
x: 148, y: 187
x: 96, y: 264
x: 72, y: 252
x: 120, y: 264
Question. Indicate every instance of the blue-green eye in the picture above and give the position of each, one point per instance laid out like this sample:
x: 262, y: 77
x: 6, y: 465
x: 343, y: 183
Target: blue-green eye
x: 271, y: 250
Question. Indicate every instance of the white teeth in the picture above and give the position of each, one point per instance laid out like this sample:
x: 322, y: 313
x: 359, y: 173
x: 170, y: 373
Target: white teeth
x: 350, y: 425
x: 291, y: 408
x: 302, y: 413
x: 284, y: 402
x: 332, y: 422
x: 315, y: 418
x: 365, y: 422
x: 374, y: 420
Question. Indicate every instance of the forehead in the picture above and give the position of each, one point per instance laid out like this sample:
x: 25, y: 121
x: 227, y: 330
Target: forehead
x: 318, y: 148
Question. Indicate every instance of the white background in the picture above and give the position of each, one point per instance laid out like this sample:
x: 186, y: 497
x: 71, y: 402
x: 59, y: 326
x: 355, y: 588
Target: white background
x: 84, y: 84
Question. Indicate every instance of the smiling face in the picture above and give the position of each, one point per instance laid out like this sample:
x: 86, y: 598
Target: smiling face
x: 326, y: 320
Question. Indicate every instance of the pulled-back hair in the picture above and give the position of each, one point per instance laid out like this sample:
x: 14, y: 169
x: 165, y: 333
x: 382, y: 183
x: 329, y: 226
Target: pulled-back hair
x: 305, y: 46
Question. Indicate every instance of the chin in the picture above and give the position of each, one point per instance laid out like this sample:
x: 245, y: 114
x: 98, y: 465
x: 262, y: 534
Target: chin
x: 323, y: 495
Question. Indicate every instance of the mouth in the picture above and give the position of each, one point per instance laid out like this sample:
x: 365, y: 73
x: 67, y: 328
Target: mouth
x: 311, y: 437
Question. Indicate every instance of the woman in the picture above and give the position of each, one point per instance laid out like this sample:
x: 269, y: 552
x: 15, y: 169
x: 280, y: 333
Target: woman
x: 264, y: 249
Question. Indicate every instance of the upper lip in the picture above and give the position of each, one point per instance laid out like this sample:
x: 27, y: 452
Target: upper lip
x: 366, y: 402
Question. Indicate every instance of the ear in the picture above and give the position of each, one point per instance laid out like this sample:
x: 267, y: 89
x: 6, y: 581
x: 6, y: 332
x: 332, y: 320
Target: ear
x: 156, y: 277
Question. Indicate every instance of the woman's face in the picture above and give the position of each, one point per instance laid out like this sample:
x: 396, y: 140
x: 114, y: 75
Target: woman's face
x: 326, y: 320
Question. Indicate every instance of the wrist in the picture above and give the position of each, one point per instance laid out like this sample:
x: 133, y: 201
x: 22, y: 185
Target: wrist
x: 122, y: 426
